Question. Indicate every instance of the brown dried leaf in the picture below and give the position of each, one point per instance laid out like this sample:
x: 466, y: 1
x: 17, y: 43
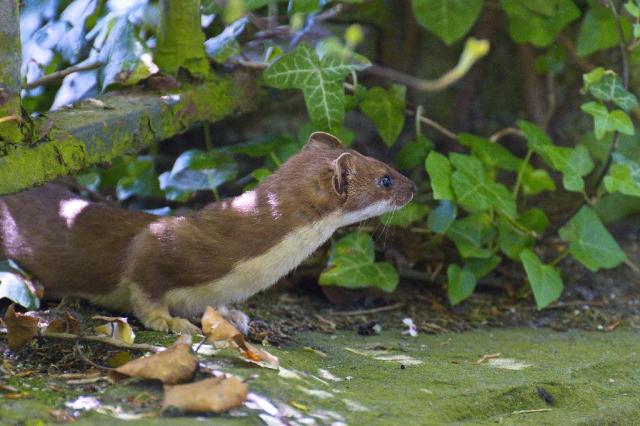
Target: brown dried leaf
x: 218, y: 330
x: 21, y: 328
x: 175, y: 365
x: 117, y: 328
x: 215, y: 395
x: 68, y: 324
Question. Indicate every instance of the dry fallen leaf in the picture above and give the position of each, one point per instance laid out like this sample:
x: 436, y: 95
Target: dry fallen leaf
x: 117, y: 328
x: 175, y: 365
x: 210, y: 395
x: 221, y: 333
x: 68, y: 324
x: 21, y: 328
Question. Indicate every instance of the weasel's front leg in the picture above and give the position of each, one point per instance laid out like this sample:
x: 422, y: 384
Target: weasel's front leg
x: 155, y: 315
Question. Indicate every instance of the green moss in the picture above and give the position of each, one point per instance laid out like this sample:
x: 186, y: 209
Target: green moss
x: 131, y: 121
x: 9, y: 71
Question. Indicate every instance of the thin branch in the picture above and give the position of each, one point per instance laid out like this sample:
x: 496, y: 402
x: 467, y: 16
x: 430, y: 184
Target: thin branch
x: 371, y: 311
x: 507, y: 131
x: 59, y: 75
x: 102, y: 339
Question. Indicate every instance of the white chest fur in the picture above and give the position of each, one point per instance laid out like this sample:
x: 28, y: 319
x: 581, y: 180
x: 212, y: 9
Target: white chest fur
x: 253, y: 275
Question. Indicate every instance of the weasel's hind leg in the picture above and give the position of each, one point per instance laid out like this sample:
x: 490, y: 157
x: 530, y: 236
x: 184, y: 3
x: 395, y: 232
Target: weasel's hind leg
x: 155, y: 314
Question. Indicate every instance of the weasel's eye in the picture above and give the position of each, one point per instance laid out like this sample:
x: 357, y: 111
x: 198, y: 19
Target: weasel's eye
x: 385, y: 181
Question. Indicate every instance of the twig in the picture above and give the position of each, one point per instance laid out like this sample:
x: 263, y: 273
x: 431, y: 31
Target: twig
x: 59, y: 75
x: 507, y: 131
x: 537, y: 410
x: 83, y: 357
x: 11, y: 118
x: 415, y: 275
x: 370, y: 311
x: 102, y: 339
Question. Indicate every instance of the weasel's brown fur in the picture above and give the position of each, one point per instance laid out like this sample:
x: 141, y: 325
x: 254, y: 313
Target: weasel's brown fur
x: 161, y: 267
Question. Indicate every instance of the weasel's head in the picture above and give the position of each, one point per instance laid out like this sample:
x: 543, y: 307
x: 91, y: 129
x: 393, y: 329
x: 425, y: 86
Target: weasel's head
x: 366, y: 187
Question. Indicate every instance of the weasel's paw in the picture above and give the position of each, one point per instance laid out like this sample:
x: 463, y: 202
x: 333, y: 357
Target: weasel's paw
x: 158, y: 324
x: 183, y: 326
x: 238, y: 318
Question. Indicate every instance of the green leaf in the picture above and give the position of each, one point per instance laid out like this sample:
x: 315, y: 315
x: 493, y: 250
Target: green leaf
x: 386, y: 109
x: 538, y: 22
x: 624, y: 176
x: 534, y: 219
x: 320, y: 80
x: 122, y: 56
x: 512, y: 241
x: 589, y: 241
x: 610, y: 88
x: 352, y: 265
x: 573, y: 163
x: 535, y: 181
x: 140, y: 180
x: 405, y: 216
x: 605, y: 121
x: 196, y: 170
x: 599, y: 30
x: 16, y: 286
x: 462, y: 283
x: 474, y: 191
x: 471, y: 235
x: 413, y: 154
x: 439, y: 170
x: 545, y: 280
x: 490, y: 153
x: 441, y: 217
x: 482, y: 267
x: 632, y: 9
x: 303, y: 6
x: 448, y: 19
x: 621, y: 122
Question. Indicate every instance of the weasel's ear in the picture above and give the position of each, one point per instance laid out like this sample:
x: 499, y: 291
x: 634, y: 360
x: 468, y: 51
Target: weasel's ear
x: 343, y: 166
x: 322, y: 139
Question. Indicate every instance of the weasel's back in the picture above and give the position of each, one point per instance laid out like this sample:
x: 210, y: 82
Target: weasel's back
x: 66, y: 241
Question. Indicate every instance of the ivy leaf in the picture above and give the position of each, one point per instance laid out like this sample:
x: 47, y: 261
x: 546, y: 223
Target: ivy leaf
x: 462, y: 283
x: 490, y: 153
x: 320, y: 80
x: 441, y: 217
x: 610, y: 88
x: 535, y: 181
x: 140, y: 179
x: 196, y: 170
x: 475, y: 192
x: 599, y: 30
x: 534, y: 219
x: 471, y: 235
x: 413, y: 154
x: 589, y: 241
x: 482, y: 267
x: 511, y: 241
x: 439, y: 170
x: 405, y: 216
x: 225, y: 45
x: 624, y: 176
x: 605, y: 121
x: 352, y: 265
x: 126, y: 59
x: 545, y: 280
x: 16, y: 286
x: 539, y: 25
x: 448, y: 19
x: 386, y: 109
x: 573, y: 163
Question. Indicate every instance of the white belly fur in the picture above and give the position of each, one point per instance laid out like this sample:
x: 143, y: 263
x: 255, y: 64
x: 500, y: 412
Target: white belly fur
x: 256, y: 274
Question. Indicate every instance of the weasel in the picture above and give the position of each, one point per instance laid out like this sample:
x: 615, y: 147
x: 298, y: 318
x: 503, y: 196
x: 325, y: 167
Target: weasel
x: 165, y: 270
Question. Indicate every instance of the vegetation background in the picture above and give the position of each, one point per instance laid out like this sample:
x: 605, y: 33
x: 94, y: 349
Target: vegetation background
x: 515, y: 118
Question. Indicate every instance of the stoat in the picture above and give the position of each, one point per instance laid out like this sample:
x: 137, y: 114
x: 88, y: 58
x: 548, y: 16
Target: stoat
x: 165, y: 270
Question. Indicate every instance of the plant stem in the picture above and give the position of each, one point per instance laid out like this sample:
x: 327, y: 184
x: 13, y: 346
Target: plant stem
x: 418, y: 115
x: 207, y: 137
x: 523, y: 167
x: 559, y: 259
